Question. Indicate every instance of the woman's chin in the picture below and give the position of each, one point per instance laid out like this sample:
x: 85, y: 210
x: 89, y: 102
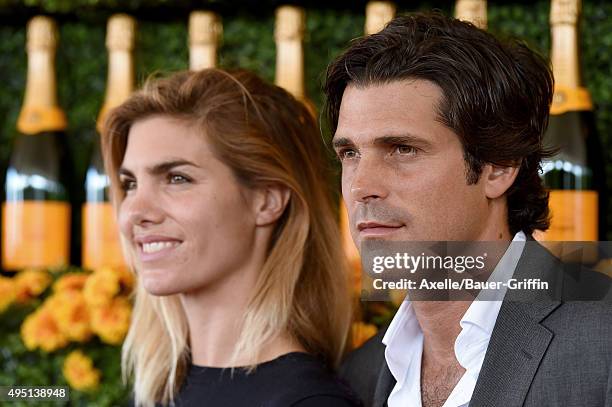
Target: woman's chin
x: 159, y: 287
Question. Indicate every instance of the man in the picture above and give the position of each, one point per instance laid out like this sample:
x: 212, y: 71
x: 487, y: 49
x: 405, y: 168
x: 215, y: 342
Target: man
x: 439, y: 126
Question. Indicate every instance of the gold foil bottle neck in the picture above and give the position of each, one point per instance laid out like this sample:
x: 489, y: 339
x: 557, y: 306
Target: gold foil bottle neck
x: 120, y: 32
x: 564, y: 11
x: 378, y: 14
x: 290, y: 23
x: 204, y: 28
x: 42, y: 33
x: 474, y: 11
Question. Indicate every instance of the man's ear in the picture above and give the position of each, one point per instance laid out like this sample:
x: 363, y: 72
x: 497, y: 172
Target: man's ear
x: 498, y: 179
x: 270, y: 203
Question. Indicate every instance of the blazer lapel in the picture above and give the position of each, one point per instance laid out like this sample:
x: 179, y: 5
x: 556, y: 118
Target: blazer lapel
x: 515, y: 350
x: 384, y: 386
x: 518, y: 341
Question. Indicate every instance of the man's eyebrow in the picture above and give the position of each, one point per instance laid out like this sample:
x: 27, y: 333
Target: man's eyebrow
x: 160, y: 168
x: 338, y: 142
x: 393, y: 139
x: 409, y: 139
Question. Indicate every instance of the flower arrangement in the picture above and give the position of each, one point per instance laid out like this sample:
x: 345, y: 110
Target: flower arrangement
x: 65, y: 327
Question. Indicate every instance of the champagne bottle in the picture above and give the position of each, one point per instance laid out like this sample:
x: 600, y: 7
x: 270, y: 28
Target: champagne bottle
x: 101, y: 244
x: 474, y: 11
x: 378, y: 14
x: 569, y: 175
x: 36, y: 209
x: 205, y: 30
x: 289, y: 36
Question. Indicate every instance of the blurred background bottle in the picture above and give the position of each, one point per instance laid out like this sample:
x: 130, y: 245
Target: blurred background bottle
x: 474, y: 11
x: 575, y: 174
x: 205, y: 31
x: 36, y: 208
x: 289, y: 30
x: 101, y: 244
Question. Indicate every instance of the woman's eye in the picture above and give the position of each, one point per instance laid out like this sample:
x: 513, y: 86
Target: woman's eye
x: 128, y: 184
x: 177, y: 179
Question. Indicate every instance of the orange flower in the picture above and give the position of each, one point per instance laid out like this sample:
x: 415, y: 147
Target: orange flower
x: 362, y: 332
x: 80, y: 373
x: 111, y: 322
x: 30, y: 283
x: 101, y: 287
x: 7, y: 293
x: 70, y: 312
x: 70, y: 281
x: 40, y: 330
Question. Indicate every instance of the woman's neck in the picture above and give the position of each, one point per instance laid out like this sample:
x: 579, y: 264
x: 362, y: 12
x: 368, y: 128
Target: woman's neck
x: 214, y: 315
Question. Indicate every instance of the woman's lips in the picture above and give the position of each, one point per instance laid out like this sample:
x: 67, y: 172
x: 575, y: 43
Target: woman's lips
x: 157, y: 250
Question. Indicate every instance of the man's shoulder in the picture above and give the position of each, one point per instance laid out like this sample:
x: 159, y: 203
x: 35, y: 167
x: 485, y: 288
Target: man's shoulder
x: 361, y: 367
x: 372, y: 351
x: 587, y: 320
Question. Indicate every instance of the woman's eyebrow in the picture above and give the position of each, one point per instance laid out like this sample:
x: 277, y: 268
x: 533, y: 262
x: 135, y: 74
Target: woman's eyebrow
x: 160, y: 168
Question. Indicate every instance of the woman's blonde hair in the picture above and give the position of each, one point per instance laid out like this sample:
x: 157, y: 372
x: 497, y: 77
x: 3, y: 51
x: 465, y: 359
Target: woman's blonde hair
x: 266, y: 137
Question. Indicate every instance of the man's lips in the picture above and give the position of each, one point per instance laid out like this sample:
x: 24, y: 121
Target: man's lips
x: 377, y: 229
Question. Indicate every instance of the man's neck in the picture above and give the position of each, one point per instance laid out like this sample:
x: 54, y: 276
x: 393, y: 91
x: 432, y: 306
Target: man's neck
x: 440, y: 369
x: 439, y: 321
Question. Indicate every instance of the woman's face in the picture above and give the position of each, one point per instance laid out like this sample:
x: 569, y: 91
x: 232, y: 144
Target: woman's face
x: 186, y: 219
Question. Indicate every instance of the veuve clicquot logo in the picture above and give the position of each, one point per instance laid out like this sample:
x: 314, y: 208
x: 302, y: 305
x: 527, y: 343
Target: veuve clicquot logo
x: 36, y: 210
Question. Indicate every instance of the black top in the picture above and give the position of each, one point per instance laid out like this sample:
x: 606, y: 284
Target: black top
x: 295, y: 379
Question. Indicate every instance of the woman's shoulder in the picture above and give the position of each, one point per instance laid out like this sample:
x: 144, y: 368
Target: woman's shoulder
x: 302, y: 380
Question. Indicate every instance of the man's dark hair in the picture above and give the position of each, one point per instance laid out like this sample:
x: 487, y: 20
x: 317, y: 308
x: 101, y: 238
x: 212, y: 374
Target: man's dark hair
x: 496, y: 96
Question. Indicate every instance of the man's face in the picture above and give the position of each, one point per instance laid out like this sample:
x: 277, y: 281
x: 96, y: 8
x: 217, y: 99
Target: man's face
x: 403, y: 172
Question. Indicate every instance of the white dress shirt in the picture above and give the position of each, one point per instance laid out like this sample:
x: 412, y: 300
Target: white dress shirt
x: 404, y: 341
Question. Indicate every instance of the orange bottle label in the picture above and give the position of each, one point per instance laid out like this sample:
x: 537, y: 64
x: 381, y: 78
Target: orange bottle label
x: 35, y: 234
x: 101, y: 244
x: 574, y: 216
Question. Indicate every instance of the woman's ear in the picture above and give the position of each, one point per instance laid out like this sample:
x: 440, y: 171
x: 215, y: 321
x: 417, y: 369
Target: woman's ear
x: 270, y: 203
x: 498, y: 179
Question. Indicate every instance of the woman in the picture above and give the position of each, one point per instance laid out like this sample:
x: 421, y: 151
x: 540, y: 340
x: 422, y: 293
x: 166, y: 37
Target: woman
x: 225, y: 216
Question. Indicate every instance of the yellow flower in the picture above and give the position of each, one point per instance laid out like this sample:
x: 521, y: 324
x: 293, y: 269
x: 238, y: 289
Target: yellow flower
x: 70, y: 312
x: 362, y: 332
x: 40, y: 330
x: 111, y: 322
x: 70, y: 281
x: 101, y: 287
x: 7, y: 293
x: 126, y: 280
x: 80, y: 373
x: 30, y: 283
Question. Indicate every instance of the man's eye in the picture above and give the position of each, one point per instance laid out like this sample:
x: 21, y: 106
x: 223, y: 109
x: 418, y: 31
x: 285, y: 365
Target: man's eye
x: 404, y: 150
x: 347, y: 154
x: 177, y: 179
x: 128, y: 184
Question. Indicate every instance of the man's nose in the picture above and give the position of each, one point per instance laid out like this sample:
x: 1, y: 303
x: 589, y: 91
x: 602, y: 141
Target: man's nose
x: 368, y: 181
x: 141, y: 207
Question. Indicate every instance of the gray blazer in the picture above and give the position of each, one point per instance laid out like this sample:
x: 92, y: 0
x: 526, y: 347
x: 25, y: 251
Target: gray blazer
x: 541, y: 353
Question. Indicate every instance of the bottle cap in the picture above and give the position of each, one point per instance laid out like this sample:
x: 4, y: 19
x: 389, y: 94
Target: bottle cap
x: 564, y: 11
x: 204, y: 28
x: 378, y: 14
x: 120, y: 32
x: 41, y: 33
x: 290, y: 23
x: 474, y: 11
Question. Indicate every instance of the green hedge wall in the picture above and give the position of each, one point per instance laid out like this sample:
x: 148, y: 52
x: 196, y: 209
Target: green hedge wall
x: 248, y: 42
